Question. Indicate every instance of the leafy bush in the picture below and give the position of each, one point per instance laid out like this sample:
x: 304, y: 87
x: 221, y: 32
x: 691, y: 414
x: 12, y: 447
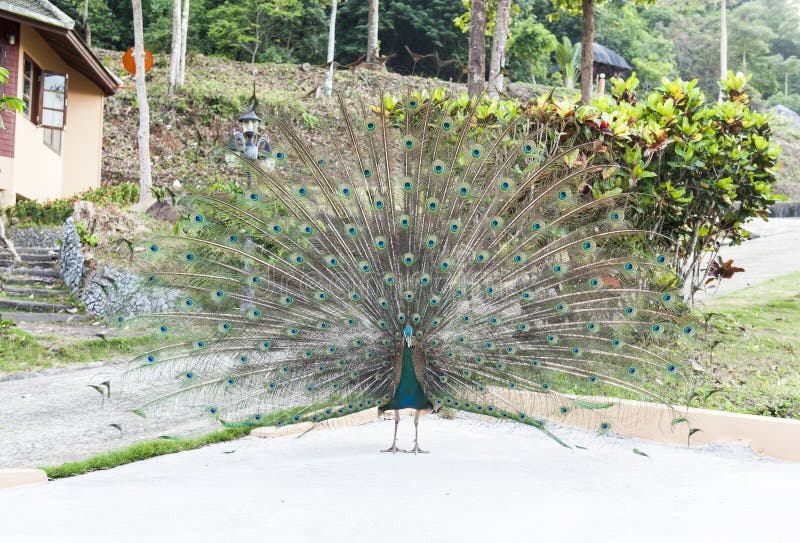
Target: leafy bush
x: 697, y: 170
x: 55, y: 212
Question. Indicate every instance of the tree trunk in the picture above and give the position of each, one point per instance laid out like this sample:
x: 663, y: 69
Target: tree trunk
x: 499, y: 40
x: 145, y: 178
x: 744, y: 61
x: 87, y: 32
x: 175, y: 50
x: 372, y: 33
x: 184, y: 35
x: 328, y: 87
x: 786, y: 83
x: 477, y: 48
x: 587, y: 54
x: 723, y: 44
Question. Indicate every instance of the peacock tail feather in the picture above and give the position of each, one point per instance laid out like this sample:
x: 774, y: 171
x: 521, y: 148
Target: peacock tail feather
x: 479, y: 232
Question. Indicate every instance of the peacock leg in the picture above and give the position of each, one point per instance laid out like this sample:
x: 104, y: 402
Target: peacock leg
x: 394, y: 448
x: 416, y: 448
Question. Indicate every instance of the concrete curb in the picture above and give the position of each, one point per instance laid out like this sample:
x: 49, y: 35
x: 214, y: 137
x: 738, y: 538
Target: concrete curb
x: 768, y: 436
x: 18, y: 477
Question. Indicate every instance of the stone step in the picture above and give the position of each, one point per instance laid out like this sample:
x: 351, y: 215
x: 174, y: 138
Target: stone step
x: 24, y: 316
x: 32, y: 272
x: 22, y: 249
x: 32, y: 281
x: 33, y: 306
x: 28, y: 253
x: 22, y: 292
x: 40, y: 281
x: 5, y: 263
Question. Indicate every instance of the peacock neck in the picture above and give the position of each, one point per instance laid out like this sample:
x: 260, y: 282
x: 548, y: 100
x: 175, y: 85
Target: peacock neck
x: 408, y: 391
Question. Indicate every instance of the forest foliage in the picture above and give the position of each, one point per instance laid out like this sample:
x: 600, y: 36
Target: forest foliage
x: 666, y: 38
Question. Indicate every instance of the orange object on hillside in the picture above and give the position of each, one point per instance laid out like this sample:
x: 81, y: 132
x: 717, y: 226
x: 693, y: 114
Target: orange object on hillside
x: 130, y: 64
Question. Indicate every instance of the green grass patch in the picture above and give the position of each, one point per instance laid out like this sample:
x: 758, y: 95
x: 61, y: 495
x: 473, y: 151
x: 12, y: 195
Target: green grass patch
x: 22, y: 351
x: 141, y: 451
x: 751, y: 350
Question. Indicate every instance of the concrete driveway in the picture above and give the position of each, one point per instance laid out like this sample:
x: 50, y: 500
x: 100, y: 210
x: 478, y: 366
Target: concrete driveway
x: 483, y: 481
x: 773, y: 251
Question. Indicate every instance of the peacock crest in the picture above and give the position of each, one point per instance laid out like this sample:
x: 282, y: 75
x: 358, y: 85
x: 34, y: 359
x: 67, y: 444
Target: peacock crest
x: 478, y: 252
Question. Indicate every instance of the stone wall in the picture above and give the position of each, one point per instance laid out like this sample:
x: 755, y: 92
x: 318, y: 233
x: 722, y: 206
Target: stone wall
x: 71, y: 259
x: 106, y: 291
x: 43, y: 236
x: 112, y: 293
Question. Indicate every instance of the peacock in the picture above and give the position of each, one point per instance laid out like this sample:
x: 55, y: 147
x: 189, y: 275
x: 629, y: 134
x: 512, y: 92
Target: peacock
x: 429, y: 252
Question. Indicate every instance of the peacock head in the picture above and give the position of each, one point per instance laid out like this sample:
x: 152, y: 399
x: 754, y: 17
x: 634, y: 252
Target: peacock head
x: 408, y: 334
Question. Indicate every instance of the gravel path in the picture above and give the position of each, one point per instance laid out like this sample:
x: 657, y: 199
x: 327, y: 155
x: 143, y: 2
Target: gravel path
x: 483, y: 481
x: 53, y: 416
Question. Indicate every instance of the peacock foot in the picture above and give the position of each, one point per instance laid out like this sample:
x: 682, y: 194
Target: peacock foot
x: 393, y: 449
x: 417, y: 450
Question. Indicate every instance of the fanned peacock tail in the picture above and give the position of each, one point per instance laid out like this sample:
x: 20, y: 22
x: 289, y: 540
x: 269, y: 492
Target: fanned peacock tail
x: 479, y: 232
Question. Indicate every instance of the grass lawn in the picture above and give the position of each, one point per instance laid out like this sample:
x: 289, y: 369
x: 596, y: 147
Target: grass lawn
x: 752, y: 350
x: 141, y: 451
x: 22, y: 351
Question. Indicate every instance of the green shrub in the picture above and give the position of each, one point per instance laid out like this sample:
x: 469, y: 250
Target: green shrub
x: 55, y: 212
x: 696, y: 169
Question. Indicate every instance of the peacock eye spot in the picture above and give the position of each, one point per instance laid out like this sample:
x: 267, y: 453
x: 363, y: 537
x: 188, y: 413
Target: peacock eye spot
x: 412, y: 104
x: 231, y: 381
x: 631, y: 370
x: 592, y: 379
x: 671, y: 368
x: 528, y: 148
x: 151, y: 358
x: 276, y: 228
x: 154, y: 248
x: 254, y: 196
x: 256, y: 313
x: 438, y: 169
x: 446, y: 125
x: 562, y: 195
x: 476, y: 153
x: 367, y: 173
x: 234, y: 239
x: 661, y: 259
x: 615, y: 216
x: 201, y: 344
x: 280, y: 155
x: 198, y: 218
x: 587, y: 245
x: 688, y: 330
x: 302, y: 191
x: 163, y: 329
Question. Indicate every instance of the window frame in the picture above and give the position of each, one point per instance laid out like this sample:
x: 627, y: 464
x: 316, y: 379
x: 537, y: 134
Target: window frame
x: 32, y: 98
x: 64, y: 93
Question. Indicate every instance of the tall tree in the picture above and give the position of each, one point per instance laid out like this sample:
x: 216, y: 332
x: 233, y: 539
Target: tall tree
x: 586, y: 9
x: 145, y: 176
x: 184, y: 38
x: 587, y: 51
x: 87, y: 32
x: 476, y: 65
x: 723, y: 43
x: 328, y: 87
x: 175, y: 50
x: 372, y: 33
x: 791, y: 66
x: 499, y: 40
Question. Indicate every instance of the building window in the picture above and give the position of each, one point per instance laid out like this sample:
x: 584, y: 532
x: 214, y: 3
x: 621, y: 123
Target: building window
x: 31, y: 74
x: 52, y: 138
x: 54, y: 100
x: 45, y: 97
